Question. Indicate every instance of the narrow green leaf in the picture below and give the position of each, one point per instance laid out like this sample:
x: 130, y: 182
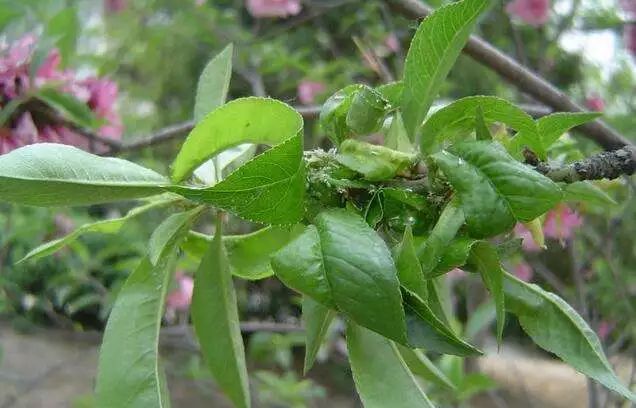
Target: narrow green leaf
x: 8, y: 110
x: 554, y: 326
x: 333, y: 115
x: 344, y: 264
x: 422, y: 366
x: 316, y: 319
x: 214, y: 83
x: 397, y: 138
x: 374, y: 162
x: 64, y: 28
x: 458, y: 119
x: 392, y: 92
x: 454, y: 255
x: 381, y: 376
x: 588, y: 192
x: 129, y: 373
x: 244, y: 120
x: 216, y: 322
x: 47, y: 174
x: 433, y: 51
x: 549, y: 129
x: 248, y: 254
x: 481, y: 129
x: 111, y: 226
x: 68, y: 106
x: 427, y: 331
x: 408, y: 266
x: 431, y: 251
x: 367, y: 111
x: 269, y: 189
x: 486, y: 260
x: 169, y: 231
x: 495, y: 190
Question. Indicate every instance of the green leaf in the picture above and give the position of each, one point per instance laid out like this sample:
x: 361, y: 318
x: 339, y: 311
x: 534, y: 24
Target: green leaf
x: 8, y: 109
x: 454, y: 255
x: 427, y: 331
x: 269, y: 189
x: 169, y: 231
x: 129, y: 373
x: 486, y: 260
x: 367, y: 111
x: 381, y: 376
x: 586, y: 191
x: 422, y: 366
x: 408, y: 266
x: 397, y: 138
x: 495, y: 190
x: 549, y: 129
x: 248, y: 254
x: 244, y: 120
x: 64, y: 29
x: 554, y: 326
x: 374, y: 213
x: 433, y: 51
x: 214, y: 83
x: 430, y: 253
x: 458, y: 119
x: 333, y: 115
x: 374, y: 162
x: 216, y: 322
x: 392, y: 92
x: 344, y: 264
x: 68, y: 106
x: 481, y: 129
x: 111, y: 226
x: 316, y: 319
x: 47, y: 174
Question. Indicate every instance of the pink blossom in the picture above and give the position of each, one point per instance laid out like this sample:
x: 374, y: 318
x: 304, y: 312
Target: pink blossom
x: 180, y: 298
x: 273, y: 8
x: 102, y: 98
x: 308, y: 90
x: 605, y: 328
x: 561, y: 222
x: 524, y: 272
x: 63, y: 224
x: 532, y: 12
x: 392, y: 43
x: 595, y: 102
x: 527, y: 242
x: 115, y: 6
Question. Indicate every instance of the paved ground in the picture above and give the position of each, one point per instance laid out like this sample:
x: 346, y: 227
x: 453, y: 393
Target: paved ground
x: 52, y: 369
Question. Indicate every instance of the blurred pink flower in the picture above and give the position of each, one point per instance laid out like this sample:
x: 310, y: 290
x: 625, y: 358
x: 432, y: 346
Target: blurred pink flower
x: 392, y: 43
x: 561, y: 222
x: 595, y: 102
x: 179, y: 299
x: 115, y: 6
x: 308, y: 90
x: 532, y: 12
x: 629, y: 36
x: 524, y: 272
x: 63, y: 224
x: 273, y: 8
x: 527, y: 242
x: 605, y: 328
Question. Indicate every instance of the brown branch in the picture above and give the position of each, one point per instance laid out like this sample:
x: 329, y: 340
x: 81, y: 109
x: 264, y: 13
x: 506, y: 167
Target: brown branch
x: 522, y: 78
x: 605, y: 165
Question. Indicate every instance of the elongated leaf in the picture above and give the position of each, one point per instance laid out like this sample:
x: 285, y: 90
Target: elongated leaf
x: 434, y: 334
x: 64, y: 28
x: 397, y: 138
x: 381, y: 376
x: 486, y: 260
x: 367, y: 111
x: 342, y: 263
x: 408, y: 266
x: 216, y: 322
x: 587, y: 191
x: 213, y: 84
x: 129, y: 374
x: 454, y: 255
x: 458, y: 119
x: 554, y: 326
x: 316, y: 319
x: 374, y: 162
x: 68, y: 106
x: 170, y: 230
x: 333, y: 115
x: 481, y: 128
x: 244, y: 120
x: 495, y: 190
x: 433, y: 51
x: 422, y: 366
x: 431, y: 251
x: 247, y: 254
x: 549, y: 129
x: 49, y: 174
x: 111, y: 226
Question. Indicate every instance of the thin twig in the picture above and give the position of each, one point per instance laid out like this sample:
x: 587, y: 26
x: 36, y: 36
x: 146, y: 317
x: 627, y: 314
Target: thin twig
x: 522, y: 78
